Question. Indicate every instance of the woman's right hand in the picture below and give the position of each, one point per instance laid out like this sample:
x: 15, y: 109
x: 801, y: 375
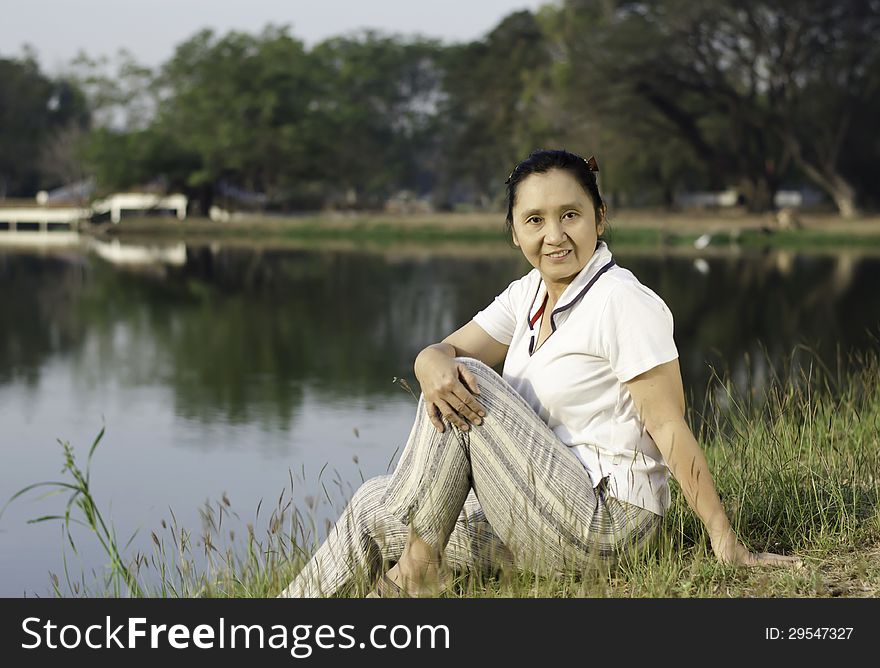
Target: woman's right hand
x: 449, y: 388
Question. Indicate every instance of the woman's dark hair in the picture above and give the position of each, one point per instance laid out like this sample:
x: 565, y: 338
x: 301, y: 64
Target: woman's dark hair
x: 543, y: 160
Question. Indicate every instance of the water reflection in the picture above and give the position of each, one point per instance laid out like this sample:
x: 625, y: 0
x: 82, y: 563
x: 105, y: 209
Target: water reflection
x: 757, y: 313
x: 238, y: 333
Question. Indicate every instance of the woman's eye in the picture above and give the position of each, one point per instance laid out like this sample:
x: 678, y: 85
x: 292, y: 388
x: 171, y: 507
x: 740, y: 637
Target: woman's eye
x: 534, y: 220
x: 570, y: 214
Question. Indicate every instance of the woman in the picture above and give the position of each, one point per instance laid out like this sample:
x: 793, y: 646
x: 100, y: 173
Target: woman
x: 562, y: 461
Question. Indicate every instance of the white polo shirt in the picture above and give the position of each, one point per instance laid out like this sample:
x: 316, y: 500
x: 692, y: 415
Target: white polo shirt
x: 607, y: 329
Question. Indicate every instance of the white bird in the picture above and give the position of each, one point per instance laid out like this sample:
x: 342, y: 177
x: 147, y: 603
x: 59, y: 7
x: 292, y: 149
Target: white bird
x: 702, y: 241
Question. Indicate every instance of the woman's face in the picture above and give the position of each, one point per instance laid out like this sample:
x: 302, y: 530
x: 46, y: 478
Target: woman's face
x: 554, y: 225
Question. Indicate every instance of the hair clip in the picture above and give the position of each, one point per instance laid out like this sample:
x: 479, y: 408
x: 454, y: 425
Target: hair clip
x: 592, y: 165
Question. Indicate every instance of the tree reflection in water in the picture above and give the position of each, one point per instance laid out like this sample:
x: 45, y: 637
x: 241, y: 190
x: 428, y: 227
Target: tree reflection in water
x: 237, y: 333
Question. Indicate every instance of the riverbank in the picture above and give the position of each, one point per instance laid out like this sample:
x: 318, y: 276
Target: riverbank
x: 628, y: 228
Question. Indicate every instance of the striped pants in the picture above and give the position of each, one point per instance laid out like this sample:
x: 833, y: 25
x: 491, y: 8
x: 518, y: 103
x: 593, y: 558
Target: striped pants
x: 505, y: 493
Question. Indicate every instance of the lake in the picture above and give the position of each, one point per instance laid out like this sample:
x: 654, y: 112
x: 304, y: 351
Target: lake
x: 234, y: 370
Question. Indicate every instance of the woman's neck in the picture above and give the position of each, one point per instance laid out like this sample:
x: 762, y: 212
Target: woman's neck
x: 554, y: 292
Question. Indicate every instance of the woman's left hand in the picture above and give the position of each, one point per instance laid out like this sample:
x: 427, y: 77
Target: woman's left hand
x: 729, y: 550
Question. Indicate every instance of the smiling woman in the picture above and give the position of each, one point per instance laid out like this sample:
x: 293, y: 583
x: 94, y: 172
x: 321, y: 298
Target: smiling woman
x: 553, y: 220
x: 562, y: 461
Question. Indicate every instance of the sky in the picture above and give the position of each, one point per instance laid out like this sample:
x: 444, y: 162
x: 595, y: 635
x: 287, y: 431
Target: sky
x: 150, y: 29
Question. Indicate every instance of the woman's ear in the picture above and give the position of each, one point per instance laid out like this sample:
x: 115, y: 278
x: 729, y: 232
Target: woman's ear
x: 513, y: 236
x: 600, y: 224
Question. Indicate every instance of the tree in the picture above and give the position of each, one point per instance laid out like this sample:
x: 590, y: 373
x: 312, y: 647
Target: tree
x: 599, y: 111
x: 823, y: 71
x: 238, y: 107
x: 124, y: 146
x: 491, y: 112
x: 120, y: 92
x: 33, y: 108
x: 752, y: 87
x: 377, y: 112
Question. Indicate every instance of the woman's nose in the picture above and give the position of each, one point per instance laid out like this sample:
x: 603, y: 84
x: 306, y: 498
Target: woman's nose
x: 553, y: 232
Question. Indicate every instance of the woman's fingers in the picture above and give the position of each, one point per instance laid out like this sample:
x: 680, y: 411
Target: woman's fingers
x: 740, y: 555
x: 778, y: 559
x: 450, y: 414
x: 455, y: 401
x: 468, y: 378
x: 466, y: 392
x: 464, y: 403
x: 767, y: 559
x: 434, y: 416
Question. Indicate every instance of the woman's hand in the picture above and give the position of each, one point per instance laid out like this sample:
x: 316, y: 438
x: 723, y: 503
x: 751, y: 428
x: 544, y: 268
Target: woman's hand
x: 449, y: 388
x: 729, y: 550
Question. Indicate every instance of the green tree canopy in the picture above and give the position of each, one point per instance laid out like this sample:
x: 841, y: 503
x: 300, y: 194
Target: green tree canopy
x: 33, y: 110
x: 377, y: 114
x: 751, y: 87
x: 491, y: 112
x: 238, y: 107
x: 670, y: 95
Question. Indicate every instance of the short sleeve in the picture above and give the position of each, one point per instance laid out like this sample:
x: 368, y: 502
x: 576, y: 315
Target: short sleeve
x: 636, y: 331
x: 498, y: 319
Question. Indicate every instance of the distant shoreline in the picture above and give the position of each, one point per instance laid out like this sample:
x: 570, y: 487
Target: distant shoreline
x: 629, y: 228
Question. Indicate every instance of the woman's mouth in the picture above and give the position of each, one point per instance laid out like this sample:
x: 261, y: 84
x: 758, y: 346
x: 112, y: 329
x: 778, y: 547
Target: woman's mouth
x: 557, y: 255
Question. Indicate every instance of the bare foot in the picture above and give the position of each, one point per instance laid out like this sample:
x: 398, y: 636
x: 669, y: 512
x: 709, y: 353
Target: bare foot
x: 419, y: 579
x: 421, y: 572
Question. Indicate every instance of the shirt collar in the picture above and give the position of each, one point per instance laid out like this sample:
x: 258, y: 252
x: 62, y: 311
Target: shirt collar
x: 574, y: 291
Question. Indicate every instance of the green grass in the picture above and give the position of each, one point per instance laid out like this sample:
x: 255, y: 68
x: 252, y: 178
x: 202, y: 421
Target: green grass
x: 805, y: 239
x: 747, y: 238
x: 380, y: 232
x: 796, y: 467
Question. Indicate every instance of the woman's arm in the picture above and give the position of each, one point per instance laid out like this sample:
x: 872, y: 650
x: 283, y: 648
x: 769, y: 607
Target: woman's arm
x: 659, y: 398
x: 449, y: 387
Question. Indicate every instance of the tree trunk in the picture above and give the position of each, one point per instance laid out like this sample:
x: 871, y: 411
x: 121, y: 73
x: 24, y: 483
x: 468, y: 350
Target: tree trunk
x: 828, y: 179
x: 843, y: 194
x: 668, y: 197
x: 844, y: 197
x: 759, y: 194
x: 204, y: 197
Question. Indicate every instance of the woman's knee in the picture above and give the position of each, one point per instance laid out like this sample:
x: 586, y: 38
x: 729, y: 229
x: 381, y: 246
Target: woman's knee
x: 369, y: 495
